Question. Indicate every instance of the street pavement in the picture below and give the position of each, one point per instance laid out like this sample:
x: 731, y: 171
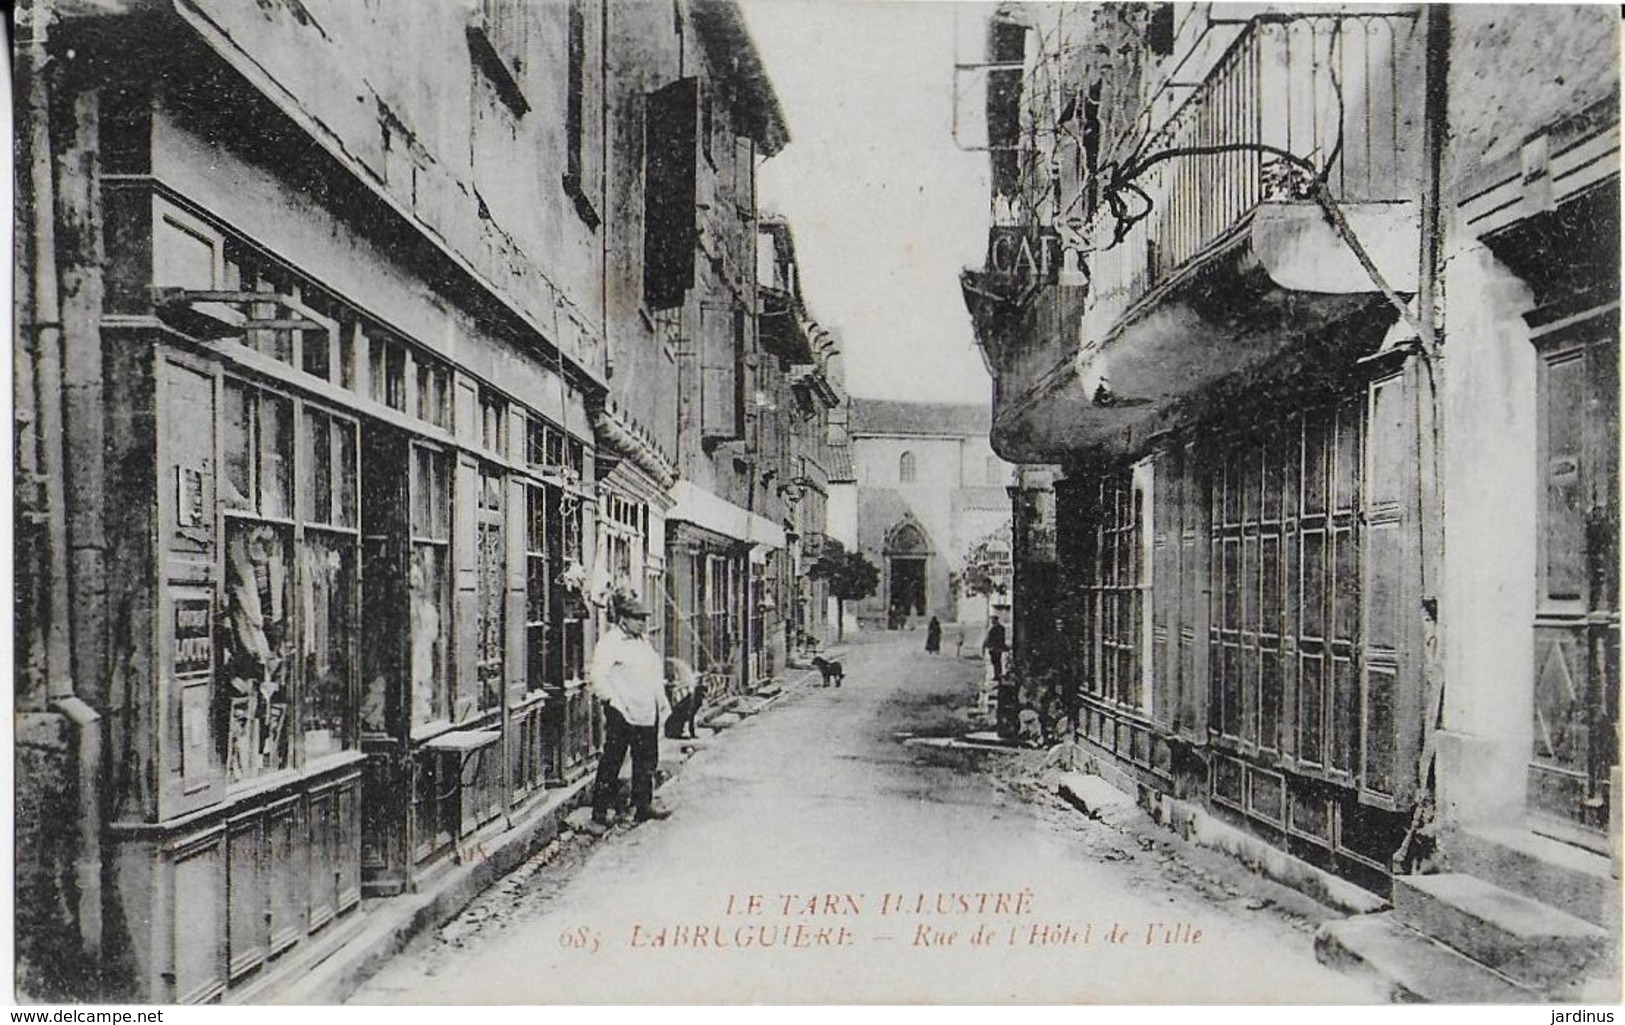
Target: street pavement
x: 813, y: 857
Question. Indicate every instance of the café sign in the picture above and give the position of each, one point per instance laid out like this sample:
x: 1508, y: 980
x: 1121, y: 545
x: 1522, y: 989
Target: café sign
x: 1023, y: 256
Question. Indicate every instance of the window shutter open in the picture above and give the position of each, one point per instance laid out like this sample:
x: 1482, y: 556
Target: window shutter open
x: 720, y: 375
x: 669, y: 214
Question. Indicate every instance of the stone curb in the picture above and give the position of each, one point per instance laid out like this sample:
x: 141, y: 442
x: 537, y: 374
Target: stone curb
x: 1195, y: 825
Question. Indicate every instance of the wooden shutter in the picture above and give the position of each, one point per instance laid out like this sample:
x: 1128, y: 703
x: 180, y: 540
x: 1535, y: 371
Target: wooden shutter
x: 1390, y: 663
x: 670, y: 230
x: 1166, y: 611
x: 1190, y: 498
x: 721, y: 375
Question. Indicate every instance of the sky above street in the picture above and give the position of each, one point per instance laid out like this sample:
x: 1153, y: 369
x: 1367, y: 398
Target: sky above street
x: 885, y: 206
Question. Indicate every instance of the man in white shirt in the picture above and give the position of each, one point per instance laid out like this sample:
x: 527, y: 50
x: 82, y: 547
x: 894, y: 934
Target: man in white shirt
x: 629, y: 678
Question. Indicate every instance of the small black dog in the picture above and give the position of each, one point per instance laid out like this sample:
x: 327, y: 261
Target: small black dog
x: 686, y: 691
x: 830, y: 671
x: 680, y: 724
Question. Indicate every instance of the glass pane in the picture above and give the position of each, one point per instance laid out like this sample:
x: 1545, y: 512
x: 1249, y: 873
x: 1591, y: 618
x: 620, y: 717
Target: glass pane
x: 236, y: 448
x: 395, y: 377
x: 257, y: 650
x: 314, y: 346
x: 422, y: 478
x: 441, y: 497
x: 427, y: 596
x: 276, y: 456
x: 536, y: 657
x: 431, y: 513
x: 316, y: 490
x: 535, y: 590
x: 380, y: 660
x: 378, y: 370
x: 329, y: 636
x: 536, y: 520
x: 347, y: 354
x: 344, y: 472
x: 491, y: 633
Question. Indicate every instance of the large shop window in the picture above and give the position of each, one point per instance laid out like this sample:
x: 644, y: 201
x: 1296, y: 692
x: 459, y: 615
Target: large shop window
x: 288, y: 607
x: 1285, y: 584
x: 429, y: 585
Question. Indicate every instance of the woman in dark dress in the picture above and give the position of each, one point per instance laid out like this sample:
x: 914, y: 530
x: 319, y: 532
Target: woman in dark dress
x: 933, y: 636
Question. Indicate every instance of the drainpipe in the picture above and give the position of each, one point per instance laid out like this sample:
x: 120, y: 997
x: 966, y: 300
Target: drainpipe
x: 45, y: 326
x: 1430, y: 433
x: 42, y: 332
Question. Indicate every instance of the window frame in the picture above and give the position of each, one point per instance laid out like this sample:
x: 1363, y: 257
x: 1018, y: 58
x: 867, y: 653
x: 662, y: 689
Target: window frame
x: 296, y: 522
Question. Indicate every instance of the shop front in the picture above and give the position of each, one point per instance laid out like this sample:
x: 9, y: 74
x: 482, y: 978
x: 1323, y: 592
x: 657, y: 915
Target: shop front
x: 716, y: 559
x: 341, y: 625
x: 1244, y: 630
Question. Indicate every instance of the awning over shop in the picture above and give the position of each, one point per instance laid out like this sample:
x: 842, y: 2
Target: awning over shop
x: 703, y: 509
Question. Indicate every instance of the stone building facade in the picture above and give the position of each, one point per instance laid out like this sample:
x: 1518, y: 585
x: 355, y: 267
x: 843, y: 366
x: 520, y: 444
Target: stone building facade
x: 929, y: 489
x: 1321, y: 430
x: 362, y: 349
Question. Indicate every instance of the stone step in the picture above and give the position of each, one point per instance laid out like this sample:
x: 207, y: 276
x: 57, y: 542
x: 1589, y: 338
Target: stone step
x: 1531, y: 943
x: 1566, y: 877
x: 1414, y: 968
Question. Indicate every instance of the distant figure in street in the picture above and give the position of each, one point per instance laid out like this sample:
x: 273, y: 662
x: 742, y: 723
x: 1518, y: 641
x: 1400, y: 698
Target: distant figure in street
x: 995, y: 647
x: 933, y: 636
x: 627, y: 675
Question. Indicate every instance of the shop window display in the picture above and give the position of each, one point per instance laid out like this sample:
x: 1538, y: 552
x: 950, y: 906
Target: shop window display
x: 427, y: 589
x: 328, y: 506
x: 287, y: 626
x: 256, y: 650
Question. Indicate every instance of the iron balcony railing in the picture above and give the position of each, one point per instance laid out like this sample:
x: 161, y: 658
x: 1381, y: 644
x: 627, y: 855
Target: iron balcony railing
x: 1339, y: 89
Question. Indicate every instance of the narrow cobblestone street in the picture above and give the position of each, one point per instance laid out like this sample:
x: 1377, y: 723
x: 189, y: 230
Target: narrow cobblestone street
x: 859, y: 848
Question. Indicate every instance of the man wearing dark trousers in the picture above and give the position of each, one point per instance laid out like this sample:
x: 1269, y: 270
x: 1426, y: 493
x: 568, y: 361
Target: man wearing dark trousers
x: 629, y: 678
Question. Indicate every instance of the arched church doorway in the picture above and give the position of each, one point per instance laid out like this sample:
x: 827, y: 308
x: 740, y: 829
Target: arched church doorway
x: 907, y: 554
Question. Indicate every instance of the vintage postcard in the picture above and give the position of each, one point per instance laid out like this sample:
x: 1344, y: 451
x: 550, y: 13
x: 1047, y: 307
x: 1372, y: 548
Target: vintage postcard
x: 668, y: 502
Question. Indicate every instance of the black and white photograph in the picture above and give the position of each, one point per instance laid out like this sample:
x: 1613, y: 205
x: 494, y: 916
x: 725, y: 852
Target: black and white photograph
x: 815, y: 502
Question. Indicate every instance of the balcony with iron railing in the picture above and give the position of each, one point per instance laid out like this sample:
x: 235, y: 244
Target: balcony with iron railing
x: 1293, y: 96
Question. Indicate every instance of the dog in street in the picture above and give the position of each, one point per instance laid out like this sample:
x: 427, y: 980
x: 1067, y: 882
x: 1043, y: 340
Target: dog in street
x: 685, y: 690
x: 830, y: 671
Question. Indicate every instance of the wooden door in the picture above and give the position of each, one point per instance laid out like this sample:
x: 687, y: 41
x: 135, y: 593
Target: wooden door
x: 1575, y: 707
